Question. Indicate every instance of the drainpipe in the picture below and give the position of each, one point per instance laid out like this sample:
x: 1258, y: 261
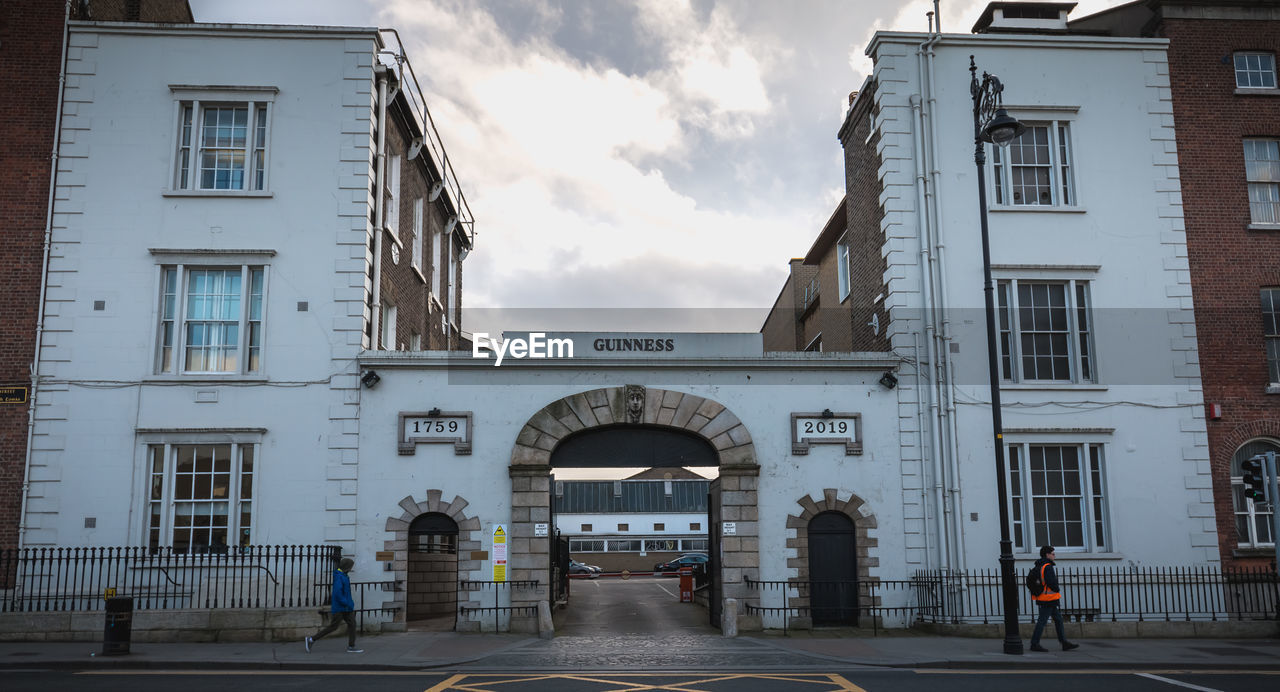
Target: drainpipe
x: 44, y: 276
x: 952, y: 426
x: 380, y: 180
x: 926, y: 282
x: 924, y: 489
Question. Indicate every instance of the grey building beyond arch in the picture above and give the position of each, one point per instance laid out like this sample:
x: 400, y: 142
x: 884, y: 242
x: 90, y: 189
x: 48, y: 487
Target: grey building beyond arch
x: 530, y: 472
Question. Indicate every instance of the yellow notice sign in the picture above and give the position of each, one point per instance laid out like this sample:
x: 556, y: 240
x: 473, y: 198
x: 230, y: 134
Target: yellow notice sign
x: 499, y: 553
x: 109, y: 592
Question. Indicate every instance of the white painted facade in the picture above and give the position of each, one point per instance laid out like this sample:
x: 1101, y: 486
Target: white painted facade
x: 1120, y: 233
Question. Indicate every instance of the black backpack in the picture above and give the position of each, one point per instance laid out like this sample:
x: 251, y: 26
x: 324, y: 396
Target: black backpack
x: 1034, y: 583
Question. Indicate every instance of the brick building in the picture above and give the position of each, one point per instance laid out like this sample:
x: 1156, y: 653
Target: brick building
x: 1226, y: 107
x: 32, y: 36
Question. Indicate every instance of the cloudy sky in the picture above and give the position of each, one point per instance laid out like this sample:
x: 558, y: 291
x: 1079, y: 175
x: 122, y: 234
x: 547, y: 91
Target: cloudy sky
x: 633, y: 164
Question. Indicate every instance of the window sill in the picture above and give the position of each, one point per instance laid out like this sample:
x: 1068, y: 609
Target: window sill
x: 1260, y: 550
x: 1272, y: 389
x: 1263, y: 227
x: 436, y: 302
x: 1256, y: 91
x: 1068, y: 557
x: 213, y: 378
x: 395, y: 237
x: 1037, y: 208
x: 217, y: 193
x: 1053, y: 386
x: 418, y: 272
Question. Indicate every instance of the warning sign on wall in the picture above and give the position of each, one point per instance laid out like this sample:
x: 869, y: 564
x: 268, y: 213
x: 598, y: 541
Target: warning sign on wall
x: 499, y: 552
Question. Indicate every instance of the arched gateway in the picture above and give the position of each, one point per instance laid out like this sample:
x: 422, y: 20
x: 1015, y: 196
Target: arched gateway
x: 619, y: 408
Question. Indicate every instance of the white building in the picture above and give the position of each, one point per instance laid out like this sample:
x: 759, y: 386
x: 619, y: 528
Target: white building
x: 1102, y: 405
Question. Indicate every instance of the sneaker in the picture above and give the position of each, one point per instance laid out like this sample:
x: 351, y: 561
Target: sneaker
x: 1067, y: 646
x: 354, y: 650
x: 1037, y: 647
x: 307, y: 643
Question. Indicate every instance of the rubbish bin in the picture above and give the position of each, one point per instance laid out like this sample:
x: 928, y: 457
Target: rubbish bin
x: 118, y: 627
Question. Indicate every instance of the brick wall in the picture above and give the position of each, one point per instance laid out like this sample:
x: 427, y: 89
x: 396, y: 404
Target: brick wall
x: 1229, y: 263
x: 779, y: 329
x: 865, y: 238
x: 30, y: 47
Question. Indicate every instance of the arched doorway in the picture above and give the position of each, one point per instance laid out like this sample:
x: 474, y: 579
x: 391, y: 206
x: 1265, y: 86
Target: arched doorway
x: 833, y: 569
x: 433, y: 571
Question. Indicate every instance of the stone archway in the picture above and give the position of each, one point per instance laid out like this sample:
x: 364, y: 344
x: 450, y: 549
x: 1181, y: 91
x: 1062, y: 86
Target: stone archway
x: 798, y: 540
x: 468, y: 540
x: 530, y: 472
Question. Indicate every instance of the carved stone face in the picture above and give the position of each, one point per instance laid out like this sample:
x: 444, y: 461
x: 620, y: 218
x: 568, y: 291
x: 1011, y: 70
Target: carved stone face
x: 635, y: 400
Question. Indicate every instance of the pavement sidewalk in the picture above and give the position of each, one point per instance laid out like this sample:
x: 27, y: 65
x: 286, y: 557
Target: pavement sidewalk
x: 504, y: 652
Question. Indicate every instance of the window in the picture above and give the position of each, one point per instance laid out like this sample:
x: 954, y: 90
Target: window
x: 586, y: 527
x: 626, y: 545
x: 1253, y: 521
x: 1255, y: 70
x: 1262, y: 173
x: 417, y: 234
x: 391, y: 212
x: 1036, y: 168
x: 450, y: 303
x: 1271, y: 332
x: 624, y: 527
x: 1045, y: 331
x: 201, y: 496
x: 660, y: 545
x: 659, y: 527
x: 443, y: 253
x: 211, y: 319
x: 690, y: 544
x: 222, y: 139
x: 579, y: 545
x: 842, y: 266
x: 695, y: 526
x: 388, y: 327
x: 1057, y: 493
x: 415, y: 341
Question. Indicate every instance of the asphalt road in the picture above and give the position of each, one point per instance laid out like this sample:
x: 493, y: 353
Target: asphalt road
x: 441, y: 681
x: 644, y: 605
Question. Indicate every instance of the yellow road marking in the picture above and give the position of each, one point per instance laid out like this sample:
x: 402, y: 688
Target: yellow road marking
x: 445, y: 684
x: 483, y: 682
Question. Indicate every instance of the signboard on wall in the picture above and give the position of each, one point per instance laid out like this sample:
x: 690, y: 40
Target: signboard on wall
x: 434, y: 426
x: 826, y: 428
x: 499, y: 552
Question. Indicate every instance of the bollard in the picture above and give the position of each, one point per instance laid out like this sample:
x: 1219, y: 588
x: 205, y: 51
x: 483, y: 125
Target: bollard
x: 729, y: 618
x: 686, y: 585
x: 118, y: 627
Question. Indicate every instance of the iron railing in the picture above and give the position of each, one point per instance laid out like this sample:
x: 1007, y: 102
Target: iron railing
x: 470, y: 585
x: 1107, y: 594
x: 66, y: 579
x: 834, y: 602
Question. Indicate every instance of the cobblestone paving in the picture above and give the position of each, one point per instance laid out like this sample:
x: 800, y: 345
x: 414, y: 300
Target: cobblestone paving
x: 674, y: 652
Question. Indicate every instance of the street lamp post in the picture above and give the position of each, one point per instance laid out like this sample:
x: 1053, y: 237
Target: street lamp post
x: 992, y: 124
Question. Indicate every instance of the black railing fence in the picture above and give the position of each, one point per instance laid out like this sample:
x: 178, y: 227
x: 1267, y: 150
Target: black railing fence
x: 62, y: 579
x: 1110, y: 594
x: 478, y: 590
x: 848, y: 603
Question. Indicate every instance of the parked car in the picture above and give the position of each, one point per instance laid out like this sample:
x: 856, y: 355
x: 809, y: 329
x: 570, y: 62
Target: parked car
x: 694, y: 560
x: 589, y: 571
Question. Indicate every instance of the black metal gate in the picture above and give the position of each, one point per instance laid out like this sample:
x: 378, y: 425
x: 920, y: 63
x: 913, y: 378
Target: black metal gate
x: 833, y: 570
x: 715, y: 585
x: 558, y: 552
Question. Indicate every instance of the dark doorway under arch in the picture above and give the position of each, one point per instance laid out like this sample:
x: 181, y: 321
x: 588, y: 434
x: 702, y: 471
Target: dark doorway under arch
x: 833, y: 570
x: 433, y: 570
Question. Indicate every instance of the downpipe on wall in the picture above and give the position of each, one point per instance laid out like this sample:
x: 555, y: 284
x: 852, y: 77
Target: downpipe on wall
x: 380, y: 72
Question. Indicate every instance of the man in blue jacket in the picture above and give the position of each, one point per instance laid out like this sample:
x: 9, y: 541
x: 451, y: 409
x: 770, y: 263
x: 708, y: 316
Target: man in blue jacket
x: 342, y: 608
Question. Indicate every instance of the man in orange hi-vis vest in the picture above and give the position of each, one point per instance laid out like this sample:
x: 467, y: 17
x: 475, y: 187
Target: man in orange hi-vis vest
x: 1048, y: 601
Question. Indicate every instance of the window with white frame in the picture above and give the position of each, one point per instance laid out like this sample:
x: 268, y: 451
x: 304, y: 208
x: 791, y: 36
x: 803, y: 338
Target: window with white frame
x: 391, y: 212
x: 200, y: 496
x: 1262, y: 174
x: 1046, y: 331
x: 388, y: 327
x: 417, y: 234
x: 842, y: 266
x: 211, y: 319
x: 222, y: 139
x: 1253, y: 520
x: 442, y: 252
x: 1058, y: 497
x: 1035, y: 169
x: 1271, y: 332
x: 1255, y: 70
x: 451, y: 296
x: 415, y: 341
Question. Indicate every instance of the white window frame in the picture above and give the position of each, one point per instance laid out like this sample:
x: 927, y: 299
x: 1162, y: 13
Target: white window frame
x: 1262, y: 176
x: 417, y: 235
x: 1243, y: 507
x: 388, y: 321
x: 1254, y: 65
x: 186, y: 175
x: 1082, y: 358
x: 168, y: 443
x: 1092, y: 500
x: 1061, y: 165
x: 171, y: 325
x: 391, y: 208
x: 1270, y: 297
x: 842, y: 267
x: 415, y: 341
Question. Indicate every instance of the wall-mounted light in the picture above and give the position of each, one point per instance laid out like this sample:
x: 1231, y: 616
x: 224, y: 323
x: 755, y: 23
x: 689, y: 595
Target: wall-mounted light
x: 370, y: 379
x: 889, y: 380
x: 434, y: 413
x: 826, y: 413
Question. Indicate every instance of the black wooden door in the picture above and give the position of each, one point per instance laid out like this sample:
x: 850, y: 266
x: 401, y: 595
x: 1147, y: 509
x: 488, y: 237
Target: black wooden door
x: 715, y: 587
x: 833, y: 570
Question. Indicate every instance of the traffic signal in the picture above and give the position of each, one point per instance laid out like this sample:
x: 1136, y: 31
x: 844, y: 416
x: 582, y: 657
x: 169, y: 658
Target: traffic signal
x: 1255, y: 487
